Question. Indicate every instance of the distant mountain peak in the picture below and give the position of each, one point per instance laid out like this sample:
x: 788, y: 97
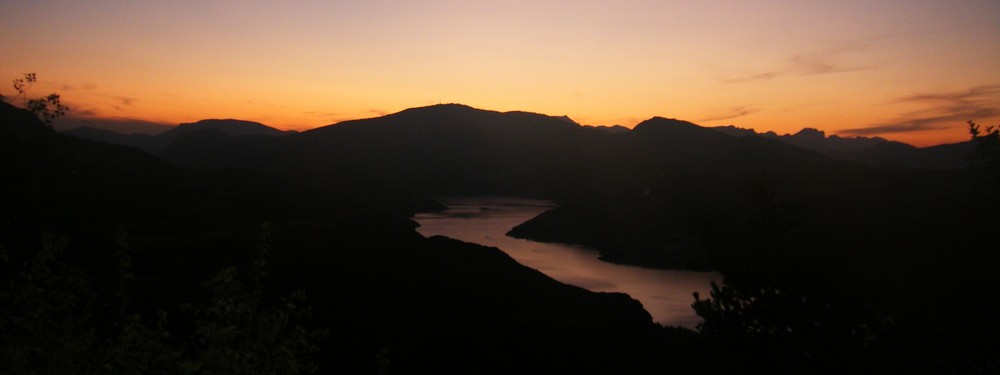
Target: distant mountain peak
x: 665, y: 121
x: 810, y: 133
x: 441, y: 107
x: 457, y: 109
x: 229, y: 126
x: 614, y: 129
x: 566, y: 119
x: 661, y: 123
x: 873, y: 151
x: 438, y: 111
x: 449, y: 105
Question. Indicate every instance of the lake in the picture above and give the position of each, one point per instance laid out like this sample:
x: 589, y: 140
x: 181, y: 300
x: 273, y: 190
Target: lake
x: 666, y: 294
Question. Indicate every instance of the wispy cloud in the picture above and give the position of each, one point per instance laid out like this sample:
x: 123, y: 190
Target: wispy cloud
x: 975, y: 94
x: 321, y: 114
x: 751, y: 77
x: 944, y: 110
x: 804, y: 64
x: 729, y: 113
x: 85, y: 112
x: 123, y: 101
x: 85, y: 86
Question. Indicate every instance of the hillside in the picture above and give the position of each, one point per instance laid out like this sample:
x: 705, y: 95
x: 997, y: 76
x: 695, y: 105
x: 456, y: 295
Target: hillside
x: 439, y: 305
x: 823, y: 259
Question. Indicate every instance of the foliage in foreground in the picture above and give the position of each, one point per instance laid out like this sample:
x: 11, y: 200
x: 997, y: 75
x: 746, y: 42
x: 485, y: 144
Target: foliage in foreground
x: 49, y: 324
x: 47, y: 108
x: 789, y: 307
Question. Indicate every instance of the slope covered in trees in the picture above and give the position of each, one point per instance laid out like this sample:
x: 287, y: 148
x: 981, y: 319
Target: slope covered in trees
x: 824, y: 259
x: 137, y: 240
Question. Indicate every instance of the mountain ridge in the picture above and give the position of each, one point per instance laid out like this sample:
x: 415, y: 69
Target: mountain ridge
x: 875, y: 152
x: 443, y: 305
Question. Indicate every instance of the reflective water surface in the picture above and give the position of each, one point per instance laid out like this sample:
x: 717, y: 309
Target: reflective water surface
x: 666, y: 294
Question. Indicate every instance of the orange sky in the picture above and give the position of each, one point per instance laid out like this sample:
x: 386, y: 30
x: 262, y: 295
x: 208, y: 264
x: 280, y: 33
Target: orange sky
x: 912, y: 71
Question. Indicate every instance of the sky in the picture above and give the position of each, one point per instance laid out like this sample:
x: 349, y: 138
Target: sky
x: 913, y: 71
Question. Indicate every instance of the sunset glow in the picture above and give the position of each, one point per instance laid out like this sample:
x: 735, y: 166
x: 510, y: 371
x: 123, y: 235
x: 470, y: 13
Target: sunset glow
x: 913, y: 71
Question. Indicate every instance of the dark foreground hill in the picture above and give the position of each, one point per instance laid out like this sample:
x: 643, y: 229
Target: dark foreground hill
x: 448, y: 149
x: 811, y: 250
x: 134, y: 236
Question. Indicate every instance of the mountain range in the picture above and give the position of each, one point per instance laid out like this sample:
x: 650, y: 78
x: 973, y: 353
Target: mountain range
x: 831, y: 247
x: 453, y: 149
x: 155, y: 144
x: 438, y: 304
x: 874, y: 151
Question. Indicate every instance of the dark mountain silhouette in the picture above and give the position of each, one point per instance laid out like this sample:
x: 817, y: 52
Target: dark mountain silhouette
x: 117, y: 125
x: 459, y: 150
x: 234, y: 128
x: 228, y: 126
x: 439, y: 305
x: 456, y: 149
x: 137, y: 140
x: 444, y: 149
x: 817, y: 140
x: 211, y: 149
x: 567, y: 119
x: 156, y: 144
x: 681, y: 146
x: 36, y: 158
x: 824, y: 259
x: 900, y: 155
x: 612, y: 129
x: 667, y: 177
x: 20, y: 126
x: 810, y: 138
x: 875, y: 151
x: 660, y: 184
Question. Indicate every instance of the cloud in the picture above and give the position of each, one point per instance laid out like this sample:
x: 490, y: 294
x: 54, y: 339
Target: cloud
x: 321, y: 114
x: 85, y: 112
x: 805, y: 64
x: 126, y: 101
x: 85, y: 87
x: 730, y: 113
x: 122, y: 101
x: 943, y: 110
x: 751, y: 77
x: 920, y: 124
x: 977, y: 93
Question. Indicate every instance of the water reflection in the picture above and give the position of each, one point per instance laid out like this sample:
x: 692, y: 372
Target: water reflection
x: 666, y: 294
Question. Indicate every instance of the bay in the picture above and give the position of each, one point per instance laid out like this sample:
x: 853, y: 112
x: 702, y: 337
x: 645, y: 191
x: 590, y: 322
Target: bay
x: 665, y: 294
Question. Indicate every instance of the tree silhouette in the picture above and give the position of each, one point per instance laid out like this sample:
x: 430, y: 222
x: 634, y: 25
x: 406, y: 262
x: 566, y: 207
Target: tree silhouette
x: 49, y: 322
x: 46, y: 326
x: 238, y: 334
x: 987, y: 151
x: 47, y: 108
